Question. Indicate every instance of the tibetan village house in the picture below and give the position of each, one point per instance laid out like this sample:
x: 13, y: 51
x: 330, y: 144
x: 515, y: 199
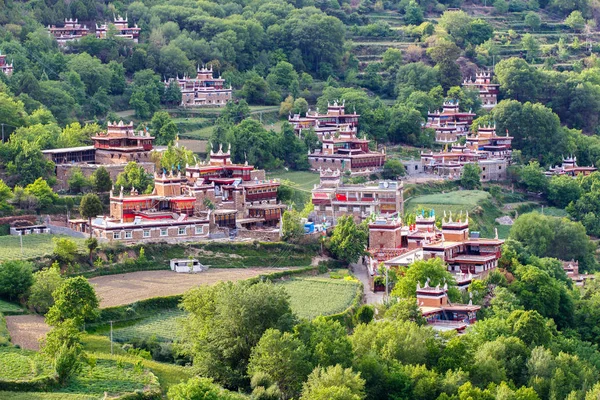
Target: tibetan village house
x: 492, y: 153
x: 442, y: 315
x: 122, y: 29
x: 449, y: 124
x: 5, y: 67
x: 70, y: 31
x: 569, y: 167
x: 397, y: 245
x: 202, y: 91
x: 324, y: 124
x: 112, y: 150
x: 332, y: 199
x: 488, y: 91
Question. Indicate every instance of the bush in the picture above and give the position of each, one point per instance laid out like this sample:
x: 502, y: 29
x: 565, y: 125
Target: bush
x: 365, y: 314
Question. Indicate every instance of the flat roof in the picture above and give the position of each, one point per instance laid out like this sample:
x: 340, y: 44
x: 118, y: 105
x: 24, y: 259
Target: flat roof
x: 68, y: 149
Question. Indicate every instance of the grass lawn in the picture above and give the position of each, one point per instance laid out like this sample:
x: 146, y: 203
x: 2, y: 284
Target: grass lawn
x: 34, y: 246
x: 303, y: 180
x: 311, y: 297
x: 9, y: 308
x: 465, y: 198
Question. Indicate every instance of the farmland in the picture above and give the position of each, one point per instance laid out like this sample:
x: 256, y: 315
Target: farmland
x: 162, y: 325
x: 18, y: 364
x: 303, y: 180
x: 311, y: 297
x: 116, y: 290
x: 34, y: 246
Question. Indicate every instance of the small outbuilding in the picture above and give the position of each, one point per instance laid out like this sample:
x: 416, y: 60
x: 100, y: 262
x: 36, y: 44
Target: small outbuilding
x: 187, y: 265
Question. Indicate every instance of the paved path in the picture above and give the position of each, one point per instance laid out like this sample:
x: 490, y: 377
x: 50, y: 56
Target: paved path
x: 361, y: 273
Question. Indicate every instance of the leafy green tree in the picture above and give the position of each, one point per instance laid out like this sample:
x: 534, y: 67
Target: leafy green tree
x: 531, y: 45
x: 533, y: 21
x: 470, y: 177
x: 172, y: 95
x: 518, y: 80
x: 90, y: 207
x: 146, y: 92
x: 16, y: 277
x: 444, y: 54
x: 255, y: 89
x: 501, y: 6
x: 392, y: 169
x: 420, y: 272
x: 575, y: 21
x: 101, y: 181
x: 300, y: 106
x: 333, y: 383
x: 456, y: 23
x: 176, y: 157
x: 529, y: 326
x: 163, y: 128
x: 348, y: 241
x: 217, y: 315
x: 562, y: 190
x: 74, y: 299
x: 5, y: 196
x: 42, y: 192
x: 65, y: 249
x: 326, y: 341
x: 413, y: 14
x: 283, y: 358
x: 45, y: 282
x: 135, y: 176
x: 405, y: 310
x: 77, y: 181
x: 405, y: 124
x: 532, y: 177
x: 291, y: 225
x: 500, y: 360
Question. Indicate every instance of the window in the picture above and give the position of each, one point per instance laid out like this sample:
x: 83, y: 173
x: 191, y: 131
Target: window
x: 483, y: 168
x: 128, y: 235
x: 164, y: 232
x: 199, y: 230
x: 181, y: 231
x: 146, y: 233
x: 116, y: 235
x: 499, y: 167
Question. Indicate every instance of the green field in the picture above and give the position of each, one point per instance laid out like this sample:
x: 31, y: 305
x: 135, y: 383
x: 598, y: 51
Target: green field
x: 9, y: 308
x: 34, y: 246
x: 311, y: 297
x: 552, y: 211
x: 162, y: 325
x: 465, y: 198
x: 44, y: 396
x: 302, y: 180
x: 18, y: 364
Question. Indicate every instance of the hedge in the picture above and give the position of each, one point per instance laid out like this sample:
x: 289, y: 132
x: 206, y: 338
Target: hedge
x: 38, y: 384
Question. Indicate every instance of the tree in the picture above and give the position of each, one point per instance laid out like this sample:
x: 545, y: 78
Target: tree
x: 135, y: 176
x: 575, y: 21
x: 15, y: 278
x: 172, y: 95
x: 333, y: 383
x: 146, y: 93
x: 531, y: 45
x: 432, y: 272
x: 200, y: 389
x: 217, y: 316
x: 91, y: 244
x: 456, y: 23
x: 326, y: 342
x: 530, y: 327
x: 562, y: 190
x: 163, y: 128
x: 518, y: 80
x: 5, y: 195
x: 90, y: 207
x: 413, y: 14
x: 42, y: 192
x: 45, y: 282
x: 392, y: 169
x: 77, y: 181
x: 101, y: 181
x: 75, y: 299
x: 65, y: 249
x: 300, y: 106
x: 445, y: 53
x: 291, y: 225
x: 405, y: 310
x: 283, y: 358
x: 348, y: 241
x: 532, y: 20
x: 470, y: 177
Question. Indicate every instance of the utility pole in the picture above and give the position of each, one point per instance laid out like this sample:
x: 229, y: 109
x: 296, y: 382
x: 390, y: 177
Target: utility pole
x: 2, y: 132
x: 111, y: 337
x: 21, y: 240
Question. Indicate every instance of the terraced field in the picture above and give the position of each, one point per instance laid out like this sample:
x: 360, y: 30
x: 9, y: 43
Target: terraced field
x: 33, y: 246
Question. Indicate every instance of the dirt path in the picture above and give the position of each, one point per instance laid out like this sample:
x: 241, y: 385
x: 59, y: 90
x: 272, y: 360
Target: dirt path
x: 26, y: 330
x: 116, y: 290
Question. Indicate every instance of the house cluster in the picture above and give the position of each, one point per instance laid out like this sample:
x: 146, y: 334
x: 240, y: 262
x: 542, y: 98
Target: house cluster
x: 203, y: 90
x: 569, y: 167
x: 467, y: 256
x: 449, y: 123
x: 342, y: 148
x: 72, y: 30
x: 5, y: 67
x: 216, y: 198
x: 112, y: 149
x: 491, y: 152
x: 571, y: 268
x: 488, y: 91
x: 332, y: 198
